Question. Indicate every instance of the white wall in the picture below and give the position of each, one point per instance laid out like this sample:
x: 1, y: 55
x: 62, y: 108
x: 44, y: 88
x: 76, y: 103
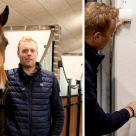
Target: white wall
x: 11, y: 59
x: 73, y: 69
x: 63, y: 83
x: 125, y: 67
x: 106, y: 2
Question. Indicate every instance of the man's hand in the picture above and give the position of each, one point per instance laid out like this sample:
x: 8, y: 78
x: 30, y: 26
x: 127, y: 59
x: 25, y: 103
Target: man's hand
x: 119, y: 23
x: 133, y: 105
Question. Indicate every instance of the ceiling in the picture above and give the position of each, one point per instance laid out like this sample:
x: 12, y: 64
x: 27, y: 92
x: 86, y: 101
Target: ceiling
x: 66, y: 13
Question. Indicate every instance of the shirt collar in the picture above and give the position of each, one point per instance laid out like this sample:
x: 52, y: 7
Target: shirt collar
x: 93, y: 57
x: 38, y: 66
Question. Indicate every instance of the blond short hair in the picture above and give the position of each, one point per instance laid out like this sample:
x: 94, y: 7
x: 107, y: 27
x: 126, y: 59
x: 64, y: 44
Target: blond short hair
x: 26, y: 39
x: 98, y: 17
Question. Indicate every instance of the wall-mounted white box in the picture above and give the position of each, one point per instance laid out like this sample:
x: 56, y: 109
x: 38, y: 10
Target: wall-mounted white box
x: 125, y: 14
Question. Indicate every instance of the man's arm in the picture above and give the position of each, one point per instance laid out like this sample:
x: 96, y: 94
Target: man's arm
x: 97, y: 122
x: 57, y: 110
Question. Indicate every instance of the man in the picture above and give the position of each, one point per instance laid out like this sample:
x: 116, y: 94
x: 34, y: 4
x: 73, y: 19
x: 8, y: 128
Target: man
x: 33, y: 97
x: 100, y: 25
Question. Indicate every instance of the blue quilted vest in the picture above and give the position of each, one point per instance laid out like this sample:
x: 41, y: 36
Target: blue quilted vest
x: 27, y: 111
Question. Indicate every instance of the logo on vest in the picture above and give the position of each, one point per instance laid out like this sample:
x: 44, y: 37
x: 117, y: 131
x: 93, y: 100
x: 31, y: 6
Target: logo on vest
x: 41, y: 84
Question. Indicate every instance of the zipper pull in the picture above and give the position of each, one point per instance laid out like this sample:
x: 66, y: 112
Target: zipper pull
x: 23, y: 92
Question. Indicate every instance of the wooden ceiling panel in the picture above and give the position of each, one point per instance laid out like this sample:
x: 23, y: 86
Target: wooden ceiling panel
x: 30, y: 9
x: 76, y: 5
x: 54, y: 6
x: 74, y: 26
x: 79, y: 15
x: 18, y: 20
x: 64, y: 48
x: 75, y: 46
x: 69, y: 40
x: 15, y: 3
x: 66, y: 13
x: 44, y: 18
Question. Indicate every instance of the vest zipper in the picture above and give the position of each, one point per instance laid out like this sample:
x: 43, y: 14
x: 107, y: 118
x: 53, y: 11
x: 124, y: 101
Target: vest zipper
x: 30, y: 94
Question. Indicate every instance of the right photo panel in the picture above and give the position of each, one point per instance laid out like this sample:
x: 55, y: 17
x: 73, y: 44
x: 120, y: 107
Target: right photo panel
x: 110, y: 75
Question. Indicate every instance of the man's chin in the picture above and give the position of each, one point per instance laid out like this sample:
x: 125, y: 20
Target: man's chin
x: 28, y: 66
x: 102, y: 48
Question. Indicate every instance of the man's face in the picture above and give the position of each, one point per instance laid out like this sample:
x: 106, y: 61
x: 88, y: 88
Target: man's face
x: 27, y: 54
x: 105, y: 39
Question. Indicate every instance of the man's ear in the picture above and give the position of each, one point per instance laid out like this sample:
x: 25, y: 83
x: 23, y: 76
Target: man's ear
x: 96, y: 36
x: 18, y: 54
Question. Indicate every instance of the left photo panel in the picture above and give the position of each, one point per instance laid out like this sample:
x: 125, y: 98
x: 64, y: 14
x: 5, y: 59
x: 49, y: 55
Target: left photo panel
x: 41, y: 68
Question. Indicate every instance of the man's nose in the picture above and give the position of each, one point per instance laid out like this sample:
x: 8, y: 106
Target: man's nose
x: 29, y: 52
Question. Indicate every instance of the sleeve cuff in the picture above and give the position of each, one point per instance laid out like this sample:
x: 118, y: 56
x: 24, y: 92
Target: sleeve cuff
x: 126, y: 114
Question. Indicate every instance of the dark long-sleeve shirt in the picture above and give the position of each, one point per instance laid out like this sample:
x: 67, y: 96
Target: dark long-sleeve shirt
x: 97, y: 122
